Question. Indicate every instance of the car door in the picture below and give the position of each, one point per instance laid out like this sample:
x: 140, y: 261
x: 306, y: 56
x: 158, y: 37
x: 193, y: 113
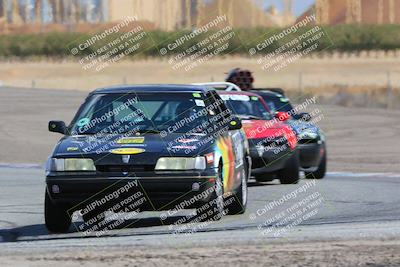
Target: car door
x: 231, y: 144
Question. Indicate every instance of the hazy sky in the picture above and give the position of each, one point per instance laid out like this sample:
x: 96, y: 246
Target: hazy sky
x: 299, y: 5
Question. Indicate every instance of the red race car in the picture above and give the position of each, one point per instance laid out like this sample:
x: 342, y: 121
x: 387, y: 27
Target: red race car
x: 273, y: 144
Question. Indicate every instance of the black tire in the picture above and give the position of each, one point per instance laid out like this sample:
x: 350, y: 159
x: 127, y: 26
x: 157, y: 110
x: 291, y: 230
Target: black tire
x: 213, y: 209
x: 320, y: 172
x: 56, y: 218
x: 290, y: 174
x: 237, y: 202
x: 265, y: 177
x: 98, y: 216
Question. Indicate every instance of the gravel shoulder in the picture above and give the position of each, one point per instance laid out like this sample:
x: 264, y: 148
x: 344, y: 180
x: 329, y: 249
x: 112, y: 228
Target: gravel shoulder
x: 332, y: 253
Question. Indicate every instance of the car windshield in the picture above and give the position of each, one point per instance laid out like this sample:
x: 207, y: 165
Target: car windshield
x: 278, y: 103
x: 144, y: 112
x: 246, y: 107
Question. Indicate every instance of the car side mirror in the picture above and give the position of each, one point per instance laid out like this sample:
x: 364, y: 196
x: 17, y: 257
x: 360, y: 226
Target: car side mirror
x: 282, y: 116
x: 235, y: 124
x: 57, y: 127
x: 305, y: 116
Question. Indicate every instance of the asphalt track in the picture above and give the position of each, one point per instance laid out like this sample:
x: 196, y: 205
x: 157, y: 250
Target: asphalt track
x: 342, y: 204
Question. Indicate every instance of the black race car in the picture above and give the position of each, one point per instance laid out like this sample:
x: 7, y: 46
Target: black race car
x: 147, y: 148
x: 311, y: 139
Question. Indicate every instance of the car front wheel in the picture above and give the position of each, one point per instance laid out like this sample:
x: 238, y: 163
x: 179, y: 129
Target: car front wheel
x: 213, y: 210
x: 237, y: 202
x: 320, y: 172
x: 290, y: 173
x: 56, y: 218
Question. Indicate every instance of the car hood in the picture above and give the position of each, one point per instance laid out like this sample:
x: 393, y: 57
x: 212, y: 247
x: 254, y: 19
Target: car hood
x: 255, y: 129
x: 146, y: 149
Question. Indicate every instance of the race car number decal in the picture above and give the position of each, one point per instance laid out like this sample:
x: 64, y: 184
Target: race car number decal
x: 131, y: 140
x: 235, y: 97
x: 127, y: 151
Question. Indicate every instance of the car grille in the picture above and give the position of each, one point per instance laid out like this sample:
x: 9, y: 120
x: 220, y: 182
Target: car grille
x: 307, y: 141
x: 270, y: 142
x: 124, y: 168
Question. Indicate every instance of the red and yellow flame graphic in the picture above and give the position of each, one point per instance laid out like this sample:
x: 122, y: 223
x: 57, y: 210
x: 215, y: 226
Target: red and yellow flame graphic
x: 224, y: 146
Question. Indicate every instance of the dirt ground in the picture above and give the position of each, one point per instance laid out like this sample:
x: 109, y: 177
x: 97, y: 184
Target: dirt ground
x: 317, y: 72
x: 340, y: 253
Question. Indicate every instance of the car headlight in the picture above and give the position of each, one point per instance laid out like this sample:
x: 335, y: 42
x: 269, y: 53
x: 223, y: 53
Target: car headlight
x: 260, y: 150
x: 72, y: 165
x: 180, y: 163
x: 308, y: 135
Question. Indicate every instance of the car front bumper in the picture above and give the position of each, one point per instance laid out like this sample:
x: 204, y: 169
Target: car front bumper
x: 161, y: 190
x: 269, y: 161
x: 310, y: 155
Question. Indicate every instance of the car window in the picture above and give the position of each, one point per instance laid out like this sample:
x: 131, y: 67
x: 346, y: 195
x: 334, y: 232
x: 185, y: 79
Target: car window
x: 127, y: 111
x: 245, y: 106
x: 222, y: 108
x: 276, y: 103
x: 142, y: 112
x: 221, y: 113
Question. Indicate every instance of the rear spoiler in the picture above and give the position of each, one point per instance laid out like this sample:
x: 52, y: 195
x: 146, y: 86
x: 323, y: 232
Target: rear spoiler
x: 225, y: 86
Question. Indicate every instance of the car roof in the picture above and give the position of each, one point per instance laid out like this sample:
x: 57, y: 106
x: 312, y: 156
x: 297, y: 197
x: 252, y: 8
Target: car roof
x: 245, y: 93
x: 266, y: 92
x: 236, y: 93
x: 229, y: 86
x: 153, y: 88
